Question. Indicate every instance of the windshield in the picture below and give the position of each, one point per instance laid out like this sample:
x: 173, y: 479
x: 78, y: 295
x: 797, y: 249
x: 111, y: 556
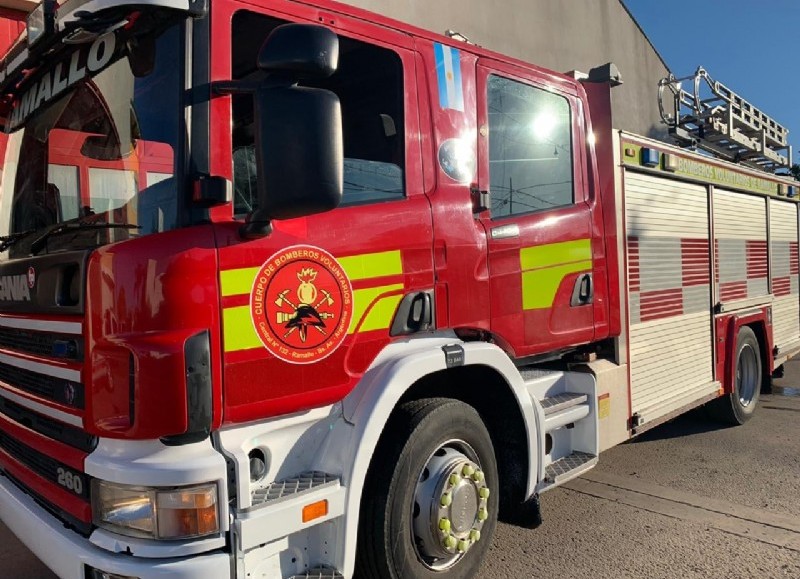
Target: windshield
x: 104, y: 153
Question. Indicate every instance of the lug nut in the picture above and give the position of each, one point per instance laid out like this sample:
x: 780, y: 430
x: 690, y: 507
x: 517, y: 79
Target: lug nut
x: 450, y: 542
x: 447, y: 498
x: 454, y: 478
x: 474, y: 535
x: 444, y: 525
x: 478, y: 476
x: 483, y: 514
x: 467, y: 470
x: 463, y: 546
x: 484, y: 493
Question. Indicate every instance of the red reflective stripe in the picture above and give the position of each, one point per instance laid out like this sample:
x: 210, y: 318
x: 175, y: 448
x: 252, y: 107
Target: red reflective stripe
x: 658, y: 304
x: 694, y: 262
x: 781, y: 286
x: 757, y: 266
x: 735, y: 290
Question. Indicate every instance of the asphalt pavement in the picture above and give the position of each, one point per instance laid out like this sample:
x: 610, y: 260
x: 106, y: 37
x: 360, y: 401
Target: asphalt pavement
x: 689, y: 499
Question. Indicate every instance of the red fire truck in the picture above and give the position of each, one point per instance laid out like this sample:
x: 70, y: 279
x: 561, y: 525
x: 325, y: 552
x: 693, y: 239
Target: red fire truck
x: 288, y: 289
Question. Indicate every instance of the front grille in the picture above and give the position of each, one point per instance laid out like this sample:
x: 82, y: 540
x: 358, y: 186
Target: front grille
x: 74, y: 437
x: 47, y: 467
x: 63, y: 346
x: 49, y: 387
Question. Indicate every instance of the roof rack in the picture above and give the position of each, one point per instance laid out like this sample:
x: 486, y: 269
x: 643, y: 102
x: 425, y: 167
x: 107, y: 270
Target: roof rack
x: 714, y: 118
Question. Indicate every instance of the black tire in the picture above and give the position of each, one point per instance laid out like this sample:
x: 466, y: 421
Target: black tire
x: 739, y: 406
x: 389, y: 547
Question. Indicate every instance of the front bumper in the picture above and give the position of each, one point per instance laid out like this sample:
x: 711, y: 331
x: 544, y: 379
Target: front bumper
x: 66, y: 552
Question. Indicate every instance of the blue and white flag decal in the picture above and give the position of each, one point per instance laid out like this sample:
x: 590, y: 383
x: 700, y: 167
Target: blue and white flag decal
x: 448, y: 73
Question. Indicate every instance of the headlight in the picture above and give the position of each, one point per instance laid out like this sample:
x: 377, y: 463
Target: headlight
x: 175, y: 513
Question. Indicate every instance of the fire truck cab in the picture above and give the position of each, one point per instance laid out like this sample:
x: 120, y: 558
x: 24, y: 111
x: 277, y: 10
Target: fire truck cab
x: 288, y: 289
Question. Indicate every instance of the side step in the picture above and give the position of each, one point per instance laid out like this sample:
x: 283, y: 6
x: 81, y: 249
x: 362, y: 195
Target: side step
x: 562, y: 402
x: 569, y: 467
x: 568, y: 428
x: 278, y: 509
x: 292, y: 487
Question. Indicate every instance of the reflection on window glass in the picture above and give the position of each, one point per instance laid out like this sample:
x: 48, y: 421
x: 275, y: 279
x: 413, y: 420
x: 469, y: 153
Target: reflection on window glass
x: 369, y: 84
x: 154, y: 178
x: 530, y: 148
x: 111, y: 189
x: 65, y: 178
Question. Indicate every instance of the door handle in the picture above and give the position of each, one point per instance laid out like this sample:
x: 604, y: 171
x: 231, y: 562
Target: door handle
x: 583, y: 292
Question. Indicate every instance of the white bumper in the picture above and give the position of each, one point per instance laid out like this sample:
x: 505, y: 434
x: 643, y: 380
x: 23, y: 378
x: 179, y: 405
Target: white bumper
x: 66, y: 552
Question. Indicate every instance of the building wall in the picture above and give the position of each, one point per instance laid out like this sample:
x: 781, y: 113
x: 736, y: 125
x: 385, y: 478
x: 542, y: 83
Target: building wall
x: 561, y: 35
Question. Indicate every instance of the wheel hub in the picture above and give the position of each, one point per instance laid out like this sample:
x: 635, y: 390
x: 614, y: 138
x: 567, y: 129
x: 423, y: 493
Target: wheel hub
x: 450, y: 506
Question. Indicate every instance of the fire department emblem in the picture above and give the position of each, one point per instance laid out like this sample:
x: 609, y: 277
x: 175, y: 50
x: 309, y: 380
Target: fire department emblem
x: 301, y: 304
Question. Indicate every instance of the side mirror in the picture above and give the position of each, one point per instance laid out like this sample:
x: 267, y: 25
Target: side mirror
x: 299, y: 153
x: 298, y: 130
x: 300, y: 51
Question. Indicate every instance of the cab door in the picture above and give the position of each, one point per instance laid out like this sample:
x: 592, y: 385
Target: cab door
x: 537, y: 211
x: 307, y: 308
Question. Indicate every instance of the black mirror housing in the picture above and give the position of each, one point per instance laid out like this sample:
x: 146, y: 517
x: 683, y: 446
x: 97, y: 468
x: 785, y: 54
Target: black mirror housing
x: 299, y: 152
x: 300, y: 51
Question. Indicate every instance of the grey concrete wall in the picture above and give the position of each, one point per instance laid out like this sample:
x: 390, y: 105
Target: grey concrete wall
x: 561, y: 35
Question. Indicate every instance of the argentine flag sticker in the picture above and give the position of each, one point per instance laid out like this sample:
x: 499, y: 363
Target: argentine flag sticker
x: 448, y: 74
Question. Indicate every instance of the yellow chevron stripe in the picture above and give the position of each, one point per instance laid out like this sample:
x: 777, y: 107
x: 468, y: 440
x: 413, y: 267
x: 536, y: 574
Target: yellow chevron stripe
x: 369, y: 265
x: 555, y: 254
x: 381, y: 314
x: 238, y: 330
x: 539, y: 286
x: 239, y: 333
x: 234, y: 282
x: 544, y: 267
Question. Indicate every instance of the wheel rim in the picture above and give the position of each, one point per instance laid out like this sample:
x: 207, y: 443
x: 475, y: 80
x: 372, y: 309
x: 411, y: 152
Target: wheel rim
x: 450, y: 505
x: 747, y: 375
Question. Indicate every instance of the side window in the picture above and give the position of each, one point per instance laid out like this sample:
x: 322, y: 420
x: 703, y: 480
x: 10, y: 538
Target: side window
x: 369, y: 84
x: 530, y: 148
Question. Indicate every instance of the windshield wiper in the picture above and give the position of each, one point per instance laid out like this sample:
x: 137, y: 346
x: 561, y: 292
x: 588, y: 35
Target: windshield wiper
x: 41, y: 241
x: 7, y: 241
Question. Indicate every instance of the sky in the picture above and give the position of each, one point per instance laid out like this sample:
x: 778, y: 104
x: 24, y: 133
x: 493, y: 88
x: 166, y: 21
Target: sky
x: 750, y: 46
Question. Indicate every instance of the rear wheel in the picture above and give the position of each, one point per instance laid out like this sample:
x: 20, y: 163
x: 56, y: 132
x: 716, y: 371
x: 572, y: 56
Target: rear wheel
x: 429, y: 507
x: 738, y: 406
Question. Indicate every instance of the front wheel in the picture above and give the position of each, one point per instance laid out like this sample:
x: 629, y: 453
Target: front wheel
x: 740, y: 405
x: 430, y: 501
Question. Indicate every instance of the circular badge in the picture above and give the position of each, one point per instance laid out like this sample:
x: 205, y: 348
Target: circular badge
x: 301, y: 304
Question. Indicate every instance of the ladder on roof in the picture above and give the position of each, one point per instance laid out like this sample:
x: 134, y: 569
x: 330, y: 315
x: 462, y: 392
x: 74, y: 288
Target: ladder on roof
x: 714, y: 118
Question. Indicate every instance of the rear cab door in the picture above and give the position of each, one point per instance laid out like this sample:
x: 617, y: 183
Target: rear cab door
x: 539, y: 221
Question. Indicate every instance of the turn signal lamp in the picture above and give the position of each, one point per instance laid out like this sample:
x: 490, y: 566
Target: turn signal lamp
x: 315, y: 510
